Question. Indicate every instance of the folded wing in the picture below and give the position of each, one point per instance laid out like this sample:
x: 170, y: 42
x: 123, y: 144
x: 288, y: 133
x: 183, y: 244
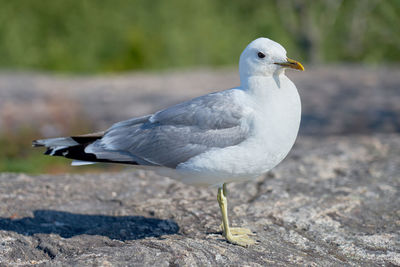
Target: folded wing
x: 176, y: 134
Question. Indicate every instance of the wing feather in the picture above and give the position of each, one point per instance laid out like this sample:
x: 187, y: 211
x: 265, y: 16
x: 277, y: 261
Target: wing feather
x: 176, y: 134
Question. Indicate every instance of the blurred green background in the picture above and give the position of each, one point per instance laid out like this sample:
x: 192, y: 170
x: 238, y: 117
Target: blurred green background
x: 82, y: 36
x: 109, y: 36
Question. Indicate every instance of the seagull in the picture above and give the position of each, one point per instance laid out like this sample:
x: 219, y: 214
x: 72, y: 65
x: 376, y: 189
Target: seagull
x: 228, y: 136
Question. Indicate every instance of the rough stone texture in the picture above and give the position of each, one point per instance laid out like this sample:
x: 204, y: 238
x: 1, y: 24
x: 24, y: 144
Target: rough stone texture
x: 333, y: 202
x: 336, y: 99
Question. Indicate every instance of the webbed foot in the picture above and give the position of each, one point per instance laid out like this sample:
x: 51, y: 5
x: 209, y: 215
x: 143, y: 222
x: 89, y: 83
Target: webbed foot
x: 242, y: 240
x: 238, y: 230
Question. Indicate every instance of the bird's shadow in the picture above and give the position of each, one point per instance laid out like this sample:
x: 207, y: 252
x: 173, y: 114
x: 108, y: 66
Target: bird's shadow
x: 68, y: 225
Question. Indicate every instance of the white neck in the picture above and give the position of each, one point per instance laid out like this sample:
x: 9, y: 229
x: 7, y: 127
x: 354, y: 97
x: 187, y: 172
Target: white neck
x: 261, y: 85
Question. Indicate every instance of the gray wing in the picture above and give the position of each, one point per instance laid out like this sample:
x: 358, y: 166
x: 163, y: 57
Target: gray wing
x: 176, y: 134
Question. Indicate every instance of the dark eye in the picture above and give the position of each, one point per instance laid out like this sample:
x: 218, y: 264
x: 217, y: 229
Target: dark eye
x: 260, y: 55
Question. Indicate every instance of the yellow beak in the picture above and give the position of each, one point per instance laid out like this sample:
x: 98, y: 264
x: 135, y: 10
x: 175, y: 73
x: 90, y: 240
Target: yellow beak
x: 290, y: 63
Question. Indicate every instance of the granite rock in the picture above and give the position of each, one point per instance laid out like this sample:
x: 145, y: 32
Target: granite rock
x: 333, y: 202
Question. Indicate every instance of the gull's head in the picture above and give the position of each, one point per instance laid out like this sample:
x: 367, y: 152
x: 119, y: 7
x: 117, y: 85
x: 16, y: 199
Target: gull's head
x: 264, y: 57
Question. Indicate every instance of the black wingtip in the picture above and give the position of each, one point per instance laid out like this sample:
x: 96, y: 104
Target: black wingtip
x: 37, y: 143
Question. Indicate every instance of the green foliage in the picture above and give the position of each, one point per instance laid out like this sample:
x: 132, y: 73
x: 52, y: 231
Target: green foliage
x: 17, y: 156
x: 104, y: 36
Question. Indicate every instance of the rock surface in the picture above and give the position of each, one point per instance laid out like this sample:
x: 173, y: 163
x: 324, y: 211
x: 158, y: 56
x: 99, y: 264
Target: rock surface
x: 333, y: 202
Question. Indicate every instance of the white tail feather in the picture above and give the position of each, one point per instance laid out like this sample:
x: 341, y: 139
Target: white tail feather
x: 81, y: 163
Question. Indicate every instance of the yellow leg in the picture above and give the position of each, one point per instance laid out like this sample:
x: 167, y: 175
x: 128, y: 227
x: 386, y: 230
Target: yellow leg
x: 235, y: 230
x: 241, y: 238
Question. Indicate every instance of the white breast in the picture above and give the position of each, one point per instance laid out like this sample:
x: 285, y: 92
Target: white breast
x: 274, y: 119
